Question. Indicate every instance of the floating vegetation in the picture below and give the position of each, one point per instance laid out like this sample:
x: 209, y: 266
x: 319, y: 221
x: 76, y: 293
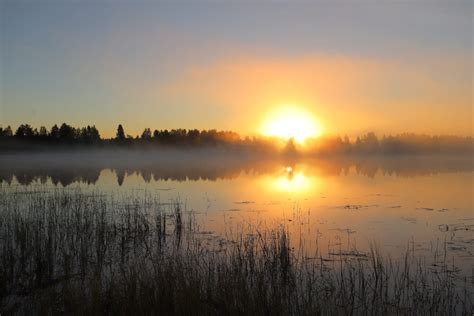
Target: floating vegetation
x: 352, y: 253
x: 425, y: 209
x: 244, y: 202
x: 356, y: 206
x: 455, y: 227
x: 232, y: 210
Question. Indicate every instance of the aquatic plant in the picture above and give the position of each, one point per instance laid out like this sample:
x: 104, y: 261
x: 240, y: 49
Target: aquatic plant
x: 71, y: 251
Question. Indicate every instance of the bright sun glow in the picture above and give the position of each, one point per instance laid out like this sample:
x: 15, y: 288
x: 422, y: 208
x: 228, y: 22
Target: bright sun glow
x: 291, y: 122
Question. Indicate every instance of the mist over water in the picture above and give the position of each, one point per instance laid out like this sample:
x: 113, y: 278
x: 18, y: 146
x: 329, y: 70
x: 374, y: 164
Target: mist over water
x: 66, y: 167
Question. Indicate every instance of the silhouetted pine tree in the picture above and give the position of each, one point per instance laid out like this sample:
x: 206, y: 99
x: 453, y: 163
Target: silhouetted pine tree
x: 120, y: 135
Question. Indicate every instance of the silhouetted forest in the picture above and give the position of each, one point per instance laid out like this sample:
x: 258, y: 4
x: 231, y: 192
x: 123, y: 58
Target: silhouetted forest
x: 65, y: 136
x: 26, y: 138
x: 406, y: 143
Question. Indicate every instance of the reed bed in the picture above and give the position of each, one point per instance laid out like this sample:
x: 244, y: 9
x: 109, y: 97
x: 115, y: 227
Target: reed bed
x: 76, y: 252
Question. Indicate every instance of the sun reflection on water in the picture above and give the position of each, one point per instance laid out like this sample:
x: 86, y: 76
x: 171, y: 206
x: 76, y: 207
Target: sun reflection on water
x: 293, y: 181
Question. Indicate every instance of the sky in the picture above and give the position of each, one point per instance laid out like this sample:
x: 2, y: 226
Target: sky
x: 355, y: 66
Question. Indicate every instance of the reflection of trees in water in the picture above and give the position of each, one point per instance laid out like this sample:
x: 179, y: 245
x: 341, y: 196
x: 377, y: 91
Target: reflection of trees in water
x: 120, y: 176
x: 57, y: 176
x: 222, y: 169
x: 412, y: 166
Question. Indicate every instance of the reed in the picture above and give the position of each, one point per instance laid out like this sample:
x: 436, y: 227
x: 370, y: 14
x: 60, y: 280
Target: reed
x: 70, y: 251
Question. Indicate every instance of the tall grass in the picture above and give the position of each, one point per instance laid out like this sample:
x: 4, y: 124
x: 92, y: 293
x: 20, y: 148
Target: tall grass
x: 68, y: 251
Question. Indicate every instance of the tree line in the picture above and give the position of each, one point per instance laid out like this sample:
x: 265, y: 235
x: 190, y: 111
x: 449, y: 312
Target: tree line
x: 64, y: 133
x: 90, y: 134
x: 407, y: 143
x: 404, y: 143
x: 25, y: 135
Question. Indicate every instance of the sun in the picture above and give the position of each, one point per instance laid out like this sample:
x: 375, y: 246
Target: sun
x: 291, y: 122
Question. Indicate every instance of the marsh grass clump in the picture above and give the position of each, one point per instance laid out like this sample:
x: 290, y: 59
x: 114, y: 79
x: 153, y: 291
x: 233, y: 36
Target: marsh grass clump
x: 69, y: 251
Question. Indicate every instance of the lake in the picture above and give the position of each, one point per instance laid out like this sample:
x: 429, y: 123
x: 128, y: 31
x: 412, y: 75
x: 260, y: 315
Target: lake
x: 339, y: 206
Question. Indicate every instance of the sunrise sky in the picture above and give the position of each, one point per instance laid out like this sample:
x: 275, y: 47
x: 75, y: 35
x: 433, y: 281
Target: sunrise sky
x: 354, y: 66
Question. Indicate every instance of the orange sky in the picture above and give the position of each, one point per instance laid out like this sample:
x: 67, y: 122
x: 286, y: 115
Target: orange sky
x: 346, y: 95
